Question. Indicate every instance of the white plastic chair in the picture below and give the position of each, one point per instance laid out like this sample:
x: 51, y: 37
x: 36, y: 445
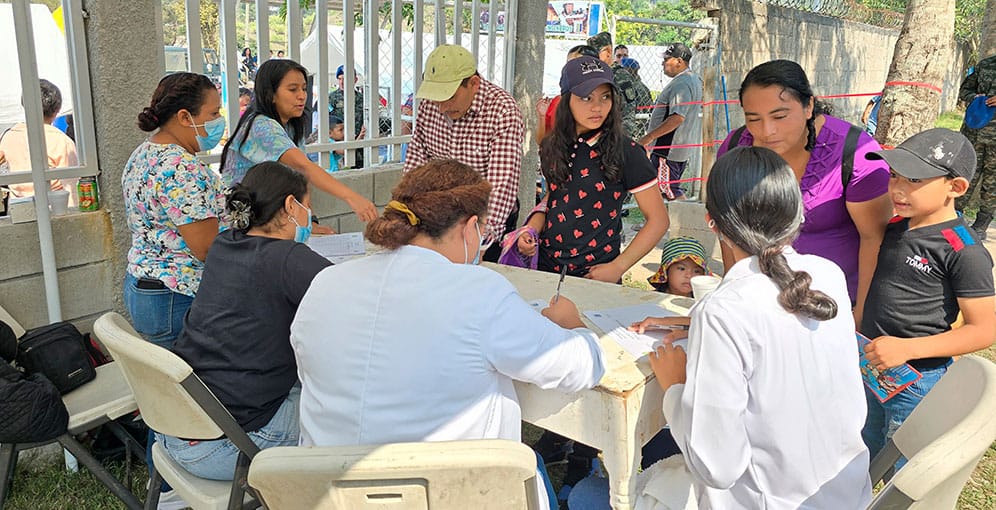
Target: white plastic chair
x: 943, y: 438
x: 96, y: 403
x: 175, y: 402
x: 488, y: 474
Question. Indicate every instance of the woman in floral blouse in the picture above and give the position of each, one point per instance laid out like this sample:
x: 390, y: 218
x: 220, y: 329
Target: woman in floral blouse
x: 173, y: 202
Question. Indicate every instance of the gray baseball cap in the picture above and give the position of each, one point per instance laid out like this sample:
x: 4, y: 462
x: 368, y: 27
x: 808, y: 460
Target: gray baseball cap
x: 932, y: 153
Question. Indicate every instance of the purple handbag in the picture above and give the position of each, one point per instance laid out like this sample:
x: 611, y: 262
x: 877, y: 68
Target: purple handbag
x: 510, y: 255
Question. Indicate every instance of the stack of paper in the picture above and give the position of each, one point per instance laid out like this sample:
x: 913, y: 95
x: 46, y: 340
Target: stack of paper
x: 616, y: 321
x: 339, y: 248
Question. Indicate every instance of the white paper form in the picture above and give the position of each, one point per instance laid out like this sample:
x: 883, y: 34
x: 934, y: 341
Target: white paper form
x: 338, y: 248
x: 615, y: 323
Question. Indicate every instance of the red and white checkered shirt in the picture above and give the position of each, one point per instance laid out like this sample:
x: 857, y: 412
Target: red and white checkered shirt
x: 488, y: 138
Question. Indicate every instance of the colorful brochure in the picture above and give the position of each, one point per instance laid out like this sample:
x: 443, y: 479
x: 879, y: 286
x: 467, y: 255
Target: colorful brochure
x: 887, y: 383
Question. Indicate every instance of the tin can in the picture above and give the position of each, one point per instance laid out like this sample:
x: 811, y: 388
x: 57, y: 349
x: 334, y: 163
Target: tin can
x: 86, y: 189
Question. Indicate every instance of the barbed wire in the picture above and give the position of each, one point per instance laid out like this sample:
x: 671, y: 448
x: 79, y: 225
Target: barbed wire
x: 845, y: 9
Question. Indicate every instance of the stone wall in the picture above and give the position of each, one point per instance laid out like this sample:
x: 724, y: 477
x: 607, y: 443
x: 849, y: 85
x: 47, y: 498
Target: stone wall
x: 839, y: 56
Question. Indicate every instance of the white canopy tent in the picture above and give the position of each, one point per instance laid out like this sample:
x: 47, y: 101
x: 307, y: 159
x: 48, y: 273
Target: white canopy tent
x: 52, y: 61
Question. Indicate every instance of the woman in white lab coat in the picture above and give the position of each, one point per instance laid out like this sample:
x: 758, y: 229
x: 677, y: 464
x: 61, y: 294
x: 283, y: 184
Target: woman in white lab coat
x: 418, y: 343
x: 768, y: 406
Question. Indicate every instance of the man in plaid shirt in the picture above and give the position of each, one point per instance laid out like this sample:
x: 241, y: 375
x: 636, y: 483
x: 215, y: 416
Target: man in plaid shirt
x: 465, y: 117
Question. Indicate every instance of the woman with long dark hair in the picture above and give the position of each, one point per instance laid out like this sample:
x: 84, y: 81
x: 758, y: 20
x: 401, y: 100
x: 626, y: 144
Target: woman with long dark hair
x: 845, y: 224
x: 767, y: 408
x: 273, y: 129
x: 590, y: 165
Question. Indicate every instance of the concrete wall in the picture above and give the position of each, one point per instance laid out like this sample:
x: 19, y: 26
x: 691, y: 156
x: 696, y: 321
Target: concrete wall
x: 375, y: 184
x: 839, y: 56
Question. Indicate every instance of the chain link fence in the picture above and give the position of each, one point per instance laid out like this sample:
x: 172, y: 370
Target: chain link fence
x: 845, y: 9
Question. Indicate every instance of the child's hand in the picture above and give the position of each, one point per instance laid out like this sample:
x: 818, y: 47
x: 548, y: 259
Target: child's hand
x: 663, y: 322
x: 527, y: 244
x: 607, y: 272
x: 564, y: 312
x: 668, y: 362
x: 888, y: 351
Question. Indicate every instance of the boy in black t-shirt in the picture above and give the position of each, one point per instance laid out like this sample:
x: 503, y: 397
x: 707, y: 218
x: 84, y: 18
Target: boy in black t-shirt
x: 931, y: 266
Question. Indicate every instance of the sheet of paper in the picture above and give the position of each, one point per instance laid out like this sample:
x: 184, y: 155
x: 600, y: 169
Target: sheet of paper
x: 615, y: 322
x: 339, y: 248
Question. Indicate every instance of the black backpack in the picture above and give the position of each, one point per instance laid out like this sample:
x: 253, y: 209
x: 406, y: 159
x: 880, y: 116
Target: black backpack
x: 846, y: 164
x: 57, y: 351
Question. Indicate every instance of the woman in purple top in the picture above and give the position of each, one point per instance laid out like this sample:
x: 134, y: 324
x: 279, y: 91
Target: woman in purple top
x: 781, y: 114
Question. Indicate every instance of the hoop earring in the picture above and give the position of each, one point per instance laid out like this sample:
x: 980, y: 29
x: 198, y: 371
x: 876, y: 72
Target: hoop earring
x: 712, y: 223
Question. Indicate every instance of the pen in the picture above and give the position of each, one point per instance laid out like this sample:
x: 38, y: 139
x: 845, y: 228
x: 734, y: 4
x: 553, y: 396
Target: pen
x: 673, y: 326
x: 563, y: 273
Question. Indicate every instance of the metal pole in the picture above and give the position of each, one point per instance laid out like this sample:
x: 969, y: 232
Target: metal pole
x: 322, y: 78
x: 230, y: 56
x: 31, y: 98
x: 348, y: 77
x: 195, y: 55
x: 372, y: 80
x: 263, y: 30
x: 649, y: 21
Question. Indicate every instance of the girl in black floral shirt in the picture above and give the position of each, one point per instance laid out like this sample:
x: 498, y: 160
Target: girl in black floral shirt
x: 591, y: 164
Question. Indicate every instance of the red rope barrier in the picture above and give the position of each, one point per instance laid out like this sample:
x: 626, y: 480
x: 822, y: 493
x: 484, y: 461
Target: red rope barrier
x: 832, y: 96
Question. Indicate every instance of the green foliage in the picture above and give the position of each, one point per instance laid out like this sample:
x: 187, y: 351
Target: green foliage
x: 968, y: 16
x: 644, y: 34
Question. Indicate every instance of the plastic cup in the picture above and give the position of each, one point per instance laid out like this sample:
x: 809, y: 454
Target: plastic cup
x: 703, y: 285
x: 58, y: 202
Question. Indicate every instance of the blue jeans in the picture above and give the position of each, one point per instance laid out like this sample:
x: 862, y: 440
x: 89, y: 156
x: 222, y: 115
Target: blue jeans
x: 884, y: 418
x: 215, y: 460
x: 156, y: 314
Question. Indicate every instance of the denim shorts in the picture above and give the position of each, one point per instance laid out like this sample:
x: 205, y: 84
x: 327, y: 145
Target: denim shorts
x: 156, y: 314
x: 215, y: 460
x: 884, y: 418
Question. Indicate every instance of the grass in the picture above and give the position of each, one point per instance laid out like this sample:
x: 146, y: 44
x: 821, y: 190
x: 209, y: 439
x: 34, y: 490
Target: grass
x: 951, y: 119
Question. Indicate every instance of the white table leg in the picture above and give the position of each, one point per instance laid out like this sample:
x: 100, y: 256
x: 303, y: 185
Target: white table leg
x: 622, y: 464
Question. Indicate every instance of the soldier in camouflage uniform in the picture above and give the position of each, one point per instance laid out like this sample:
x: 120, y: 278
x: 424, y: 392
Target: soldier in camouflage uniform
x: 337, y: 101
x: 337, y: 107
x: 642, y: 92
x: 981, y: 82
x: 623, y: 81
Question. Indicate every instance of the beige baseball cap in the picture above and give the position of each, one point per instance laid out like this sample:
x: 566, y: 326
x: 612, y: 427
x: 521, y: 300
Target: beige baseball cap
x: 445, y: 68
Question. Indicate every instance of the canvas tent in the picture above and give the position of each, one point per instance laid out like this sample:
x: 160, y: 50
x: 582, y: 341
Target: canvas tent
x: 52, y: 61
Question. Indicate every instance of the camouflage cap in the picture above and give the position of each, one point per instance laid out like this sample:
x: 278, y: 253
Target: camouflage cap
x: 600, y: 40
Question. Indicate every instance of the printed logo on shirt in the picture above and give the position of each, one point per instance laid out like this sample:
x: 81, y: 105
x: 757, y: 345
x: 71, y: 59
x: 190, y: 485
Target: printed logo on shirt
x: 919, y: 263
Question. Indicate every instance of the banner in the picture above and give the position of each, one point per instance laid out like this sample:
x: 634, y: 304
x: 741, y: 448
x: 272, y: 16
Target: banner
x: 572, y: 19
x: 580, y: 19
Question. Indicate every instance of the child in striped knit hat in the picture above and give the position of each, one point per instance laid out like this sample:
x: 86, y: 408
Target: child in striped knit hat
x: 683, y: 258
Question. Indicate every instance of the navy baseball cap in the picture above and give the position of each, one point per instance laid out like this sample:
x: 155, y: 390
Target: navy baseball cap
x: 932, y: 153
x: 583, y: 75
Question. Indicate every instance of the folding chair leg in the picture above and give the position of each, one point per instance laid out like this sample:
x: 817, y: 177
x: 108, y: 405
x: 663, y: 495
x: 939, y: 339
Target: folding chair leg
x: 98, y: 470
x: 8, y: 461
x: 240, y: 484
x: 155, y: 487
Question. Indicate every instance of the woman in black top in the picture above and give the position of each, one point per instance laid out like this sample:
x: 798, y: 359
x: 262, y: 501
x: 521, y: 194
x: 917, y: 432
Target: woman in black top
x: 236, y: 335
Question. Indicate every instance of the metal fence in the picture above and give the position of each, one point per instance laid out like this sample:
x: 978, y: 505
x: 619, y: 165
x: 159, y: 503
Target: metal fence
x: 388, y: 49
x: 845, y: 9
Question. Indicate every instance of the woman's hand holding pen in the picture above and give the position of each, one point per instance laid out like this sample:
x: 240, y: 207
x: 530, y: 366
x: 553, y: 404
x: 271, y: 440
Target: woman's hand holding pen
x: 676, y: 324
x: 564, y: 312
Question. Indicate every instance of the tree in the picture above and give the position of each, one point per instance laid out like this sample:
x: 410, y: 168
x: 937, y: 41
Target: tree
x: 922, y: 54
x: 987, y: 42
